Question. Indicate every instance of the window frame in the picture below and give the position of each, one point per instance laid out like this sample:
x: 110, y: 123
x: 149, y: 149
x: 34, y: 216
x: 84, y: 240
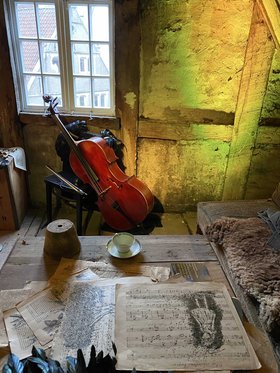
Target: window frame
x: 65, y: 58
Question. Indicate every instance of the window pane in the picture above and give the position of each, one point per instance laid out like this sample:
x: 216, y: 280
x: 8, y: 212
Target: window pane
x: 42, y: 56
x: 33, y: 90
x: 99, y: 22
x: 100, y: 59
x: 101, y: 92
x: 78, y: 20
x: 26, y: 21
x: 52, y: 87
x: 82, y: 87
x: 46, y: 21
x: 30, y: 56
x: 80, y: 59
x: 49, y: 57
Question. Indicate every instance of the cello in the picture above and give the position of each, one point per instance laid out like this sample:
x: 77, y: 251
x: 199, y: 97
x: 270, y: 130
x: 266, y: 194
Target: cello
x: 123, y: 201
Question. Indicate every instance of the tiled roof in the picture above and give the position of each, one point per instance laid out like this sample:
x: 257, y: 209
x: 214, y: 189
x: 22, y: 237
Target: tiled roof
x: 27, y: 29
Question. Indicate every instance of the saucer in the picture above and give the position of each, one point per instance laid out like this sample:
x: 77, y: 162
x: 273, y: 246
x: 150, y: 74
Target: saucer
x: 134, y: 250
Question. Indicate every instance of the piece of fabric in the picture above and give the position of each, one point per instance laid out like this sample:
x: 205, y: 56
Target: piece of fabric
x: 272, y: 219
x: 17, y: 154
x: 254, y: 265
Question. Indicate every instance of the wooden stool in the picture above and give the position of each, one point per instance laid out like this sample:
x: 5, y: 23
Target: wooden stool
x: 61, y: 239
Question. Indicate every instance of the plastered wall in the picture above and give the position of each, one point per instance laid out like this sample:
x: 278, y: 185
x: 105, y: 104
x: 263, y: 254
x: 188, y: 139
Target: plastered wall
x: 197, y: 88
x: 192, y: 64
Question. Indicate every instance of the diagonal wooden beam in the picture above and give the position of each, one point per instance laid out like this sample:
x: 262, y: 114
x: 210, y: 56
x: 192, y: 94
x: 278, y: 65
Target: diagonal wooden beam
x: 271, y: 12
x: 258, y: 57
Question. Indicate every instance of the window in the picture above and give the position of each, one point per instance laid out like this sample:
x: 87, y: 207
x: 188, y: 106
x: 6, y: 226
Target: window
x: 84, y: 65
x: 65, y: 49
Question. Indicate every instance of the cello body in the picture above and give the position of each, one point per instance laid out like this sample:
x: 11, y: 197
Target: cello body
x: 123, y: 201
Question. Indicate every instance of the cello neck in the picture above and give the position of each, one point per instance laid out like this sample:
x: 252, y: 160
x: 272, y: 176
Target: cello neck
x: 69, y: 139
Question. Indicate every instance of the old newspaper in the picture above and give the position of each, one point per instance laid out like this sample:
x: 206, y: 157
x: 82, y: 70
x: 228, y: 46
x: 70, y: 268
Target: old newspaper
x: 21, y: 337
x: 183, y: 326
x: 8, y: 299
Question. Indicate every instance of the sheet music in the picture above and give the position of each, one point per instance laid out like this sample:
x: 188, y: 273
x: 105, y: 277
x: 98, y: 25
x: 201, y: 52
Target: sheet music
x: 183, y: 326
x: 89, y: 318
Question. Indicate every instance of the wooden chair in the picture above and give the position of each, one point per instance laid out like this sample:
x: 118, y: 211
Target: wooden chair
x: 63, y: 192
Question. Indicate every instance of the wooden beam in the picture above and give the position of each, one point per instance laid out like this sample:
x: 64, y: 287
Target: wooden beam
x: 127, y: 76
x: 10, y: 130
x: 269, y: 135
x: 201, y: 116
x: 155, y: 129
x: 258, y: 57
x: 271, y: 13
x: 267, y: 122
x: 100, y: 122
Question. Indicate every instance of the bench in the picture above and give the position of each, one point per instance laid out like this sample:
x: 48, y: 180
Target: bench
x: 211, y: 211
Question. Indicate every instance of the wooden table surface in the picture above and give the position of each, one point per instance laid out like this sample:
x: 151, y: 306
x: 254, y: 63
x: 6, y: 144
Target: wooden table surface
x: 27, y: 261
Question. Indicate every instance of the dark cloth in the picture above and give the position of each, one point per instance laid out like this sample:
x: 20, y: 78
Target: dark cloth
x: 272, y: 219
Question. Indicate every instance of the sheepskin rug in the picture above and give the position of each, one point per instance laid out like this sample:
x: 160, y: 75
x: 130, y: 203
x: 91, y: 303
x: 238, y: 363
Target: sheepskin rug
x: 255, y: 266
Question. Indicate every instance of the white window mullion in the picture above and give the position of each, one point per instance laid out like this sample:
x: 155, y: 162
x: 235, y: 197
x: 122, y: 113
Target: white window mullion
x: 62, y: 47
x: 39, y: 47
x: 90, y: 57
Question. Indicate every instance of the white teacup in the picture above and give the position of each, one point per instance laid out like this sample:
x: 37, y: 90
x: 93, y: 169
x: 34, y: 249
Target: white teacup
x: 123, y: 241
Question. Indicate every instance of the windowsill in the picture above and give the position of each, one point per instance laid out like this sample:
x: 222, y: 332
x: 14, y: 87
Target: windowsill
x: 111, y: 123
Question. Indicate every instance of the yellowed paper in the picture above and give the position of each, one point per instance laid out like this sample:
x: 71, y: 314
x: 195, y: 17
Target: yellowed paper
x: 182, y: 326
x: 68, y: 267
x: 21, y: 338
x: 89, y: 318
x: 8, y: 299
x: 61, y: 285
x: 36, y: 286
x: 43, y: 313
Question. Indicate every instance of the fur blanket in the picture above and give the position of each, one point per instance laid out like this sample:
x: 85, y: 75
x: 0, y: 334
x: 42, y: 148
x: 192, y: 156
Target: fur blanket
x: 254, y: 265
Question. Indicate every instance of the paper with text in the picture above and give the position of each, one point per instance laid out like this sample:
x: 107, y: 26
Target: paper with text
x: 21, y: 337
x: 43, y: 313
x: 8, y: 299
x: 183, y: 326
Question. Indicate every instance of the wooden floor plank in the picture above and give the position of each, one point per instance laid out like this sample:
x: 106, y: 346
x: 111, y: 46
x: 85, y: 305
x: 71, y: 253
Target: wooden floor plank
x: 8, y: 239
x: 6, y: 247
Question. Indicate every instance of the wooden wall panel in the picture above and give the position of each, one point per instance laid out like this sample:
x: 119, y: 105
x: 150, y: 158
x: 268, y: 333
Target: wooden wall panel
x: 127, y: 30
x: 265, y: 171
x: 178, y: 131
x: 181, y: 173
